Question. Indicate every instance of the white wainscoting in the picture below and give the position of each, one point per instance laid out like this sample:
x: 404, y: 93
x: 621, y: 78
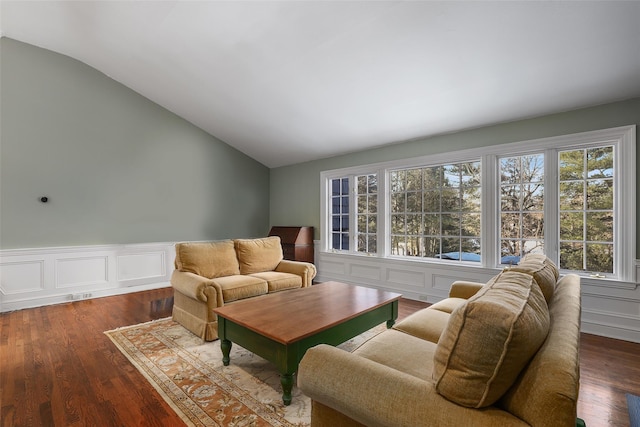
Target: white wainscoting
x: 609, y: 309
x: 43, y: 276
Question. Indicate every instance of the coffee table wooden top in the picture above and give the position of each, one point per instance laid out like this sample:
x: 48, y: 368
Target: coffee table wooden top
x: 290, y: 316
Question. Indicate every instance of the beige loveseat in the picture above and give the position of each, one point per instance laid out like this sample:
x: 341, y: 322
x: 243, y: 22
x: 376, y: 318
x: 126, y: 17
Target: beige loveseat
x: 500, y: 354
x: 211, y: 274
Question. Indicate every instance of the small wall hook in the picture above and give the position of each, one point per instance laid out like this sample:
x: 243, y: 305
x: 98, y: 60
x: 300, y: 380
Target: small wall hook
x: 44, y: 199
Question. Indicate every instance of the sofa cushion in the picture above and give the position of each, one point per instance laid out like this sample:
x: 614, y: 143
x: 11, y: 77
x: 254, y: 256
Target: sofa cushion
x: 277, y: 281
x: 490, y: 339
x: 240, y: 287
x: 207, y: 259
x: 543, y: 270
x: 401, y: 352
x: 425, y: 324
x: 258, y: 255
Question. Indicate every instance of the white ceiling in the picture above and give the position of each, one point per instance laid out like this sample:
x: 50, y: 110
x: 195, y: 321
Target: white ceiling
x: 292, y: 81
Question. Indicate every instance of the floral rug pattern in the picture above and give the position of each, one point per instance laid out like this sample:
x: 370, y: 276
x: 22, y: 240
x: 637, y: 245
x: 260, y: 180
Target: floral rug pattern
x: 189, y: 374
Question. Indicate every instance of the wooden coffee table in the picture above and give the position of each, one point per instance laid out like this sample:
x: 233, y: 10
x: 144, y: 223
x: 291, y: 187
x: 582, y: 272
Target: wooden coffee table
x: 280, y: 327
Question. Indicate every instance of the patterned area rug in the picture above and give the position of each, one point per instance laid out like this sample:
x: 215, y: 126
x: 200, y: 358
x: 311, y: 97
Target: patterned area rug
x: 189, y: 374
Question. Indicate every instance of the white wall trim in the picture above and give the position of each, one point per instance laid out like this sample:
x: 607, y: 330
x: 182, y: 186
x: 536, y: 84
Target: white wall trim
x: 35, y: 277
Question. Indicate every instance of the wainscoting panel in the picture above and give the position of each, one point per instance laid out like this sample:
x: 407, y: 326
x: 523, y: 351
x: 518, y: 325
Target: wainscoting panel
x: 609, y: 308
x: 133, y: 267
x: 86, y: 271
x: 43, y: 276
x: 14, y: 276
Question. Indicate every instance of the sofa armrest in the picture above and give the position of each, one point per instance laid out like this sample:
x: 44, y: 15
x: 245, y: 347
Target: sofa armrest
x: 197, y: 287
x: 306, y: 270
x: 464, y: 289
x: 377, y: 395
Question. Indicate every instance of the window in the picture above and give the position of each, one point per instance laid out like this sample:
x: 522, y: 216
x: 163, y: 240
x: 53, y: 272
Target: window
x: 367, y: 214
x: 570, y: 197
x: 435, y: 211
x: 340, y: 214
x: 586, y: 190
x: 521, y: 207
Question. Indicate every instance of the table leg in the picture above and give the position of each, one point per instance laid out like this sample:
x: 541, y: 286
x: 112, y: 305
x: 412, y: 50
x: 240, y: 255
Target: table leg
x: 225, y: 345
x: 287, y: 385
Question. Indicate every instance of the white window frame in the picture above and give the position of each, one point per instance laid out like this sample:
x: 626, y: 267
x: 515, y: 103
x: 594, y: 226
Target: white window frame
x: 622, y: 138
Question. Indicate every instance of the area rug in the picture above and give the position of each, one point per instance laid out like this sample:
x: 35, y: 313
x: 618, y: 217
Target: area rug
x: 633, y: 402
x: 189, y: 374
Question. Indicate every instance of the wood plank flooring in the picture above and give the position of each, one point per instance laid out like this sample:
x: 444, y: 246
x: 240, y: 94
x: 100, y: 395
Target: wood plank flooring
x: 57, y: 368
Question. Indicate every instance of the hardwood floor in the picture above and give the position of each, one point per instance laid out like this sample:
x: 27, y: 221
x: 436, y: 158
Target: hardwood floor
x: 57, y: 368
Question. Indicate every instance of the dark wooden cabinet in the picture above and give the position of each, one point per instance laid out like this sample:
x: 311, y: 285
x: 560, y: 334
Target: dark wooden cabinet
x: 297, y: 242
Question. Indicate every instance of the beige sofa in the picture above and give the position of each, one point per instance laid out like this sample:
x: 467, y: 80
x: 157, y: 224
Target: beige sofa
x: 503, y: 353
x: 211, y: 274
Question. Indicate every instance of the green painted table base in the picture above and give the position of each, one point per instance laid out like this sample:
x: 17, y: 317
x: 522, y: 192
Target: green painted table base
x: 286, y: 357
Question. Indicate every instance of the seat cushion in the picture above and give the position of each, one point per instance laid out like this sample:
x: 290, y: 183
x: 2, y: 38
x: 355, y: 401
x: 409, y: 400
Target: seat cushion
x: 490, y: 339
x: 239, y: 287
x: 400, y: 351
x: 258, y: 255
x: 277, y: 281
x: 426, y: 324
x: 207, y: 259
x: 543, y: 270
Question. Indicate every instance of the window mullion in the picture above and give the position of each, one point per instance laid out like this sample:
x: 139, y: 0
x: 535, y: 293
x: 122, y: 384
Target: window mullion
x: 551, y: 207
x: 490, y: 236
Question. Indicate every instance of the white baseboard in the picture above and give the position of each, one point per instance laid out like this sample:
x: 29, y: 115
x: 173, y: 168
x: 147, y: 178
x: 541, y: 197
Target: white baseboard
x: 44, y: 276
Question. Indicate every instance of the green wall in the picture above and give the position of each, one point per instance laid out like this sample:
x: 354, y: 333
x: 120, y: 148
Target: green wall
x: 117, y: 168
x: 295, y: 190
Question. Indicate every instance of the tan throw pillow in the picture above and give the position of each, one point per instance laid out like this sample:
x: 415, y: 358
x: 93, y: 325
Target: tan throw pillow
x: 490, y: 339
x: 543, y: 270
x: 207, y: 259
x: 258, y: 255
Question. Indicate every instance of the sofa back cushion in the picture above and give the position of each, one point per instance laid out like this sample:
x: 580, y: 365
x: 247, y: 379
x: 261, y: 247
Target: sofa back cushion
x: 490, y: 339
x: 207, y: 259
x: 258, y: 255
x: 543, y: 270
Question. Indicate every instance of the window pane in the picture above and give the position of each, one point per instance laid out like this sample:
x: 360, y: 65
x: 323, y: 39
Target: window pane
x: 600, y: 162
x: 572, y: 255
x: 413, y: 224
x: 510, y: 225
x: 532, y: 225
x: 600, y: 226
x: 471, y: 199
x: 451, y: 176
x: 372, y: 205
x: 431, y: 201
x: 397, y: 181
x: 414, y: 180
x: 398, y: 202
x: 451, y: 224
x: 571, y: 225
x: 470, y: 225
x: 599, y: 258
x: 571, y: 165
x: 431, y: 247
x: 397, y: 224
x: 431, y: 177
x: 510, y: 198
x: 431, y: 224
x: 600, y: 194
x: 414, y: 202
x: 571, y: 195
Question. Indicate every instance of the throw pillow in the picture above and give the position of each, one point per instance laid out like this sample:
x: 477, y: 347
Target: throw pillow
x: 207, y: 259
x: 490, y: 339
x: 543, y: 270
x: 258, y: 255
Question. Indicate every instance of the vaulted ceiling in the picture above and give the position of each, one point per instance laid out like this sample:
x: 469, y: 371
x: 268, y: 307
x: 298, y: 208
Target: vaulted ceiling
x: 292, y: 81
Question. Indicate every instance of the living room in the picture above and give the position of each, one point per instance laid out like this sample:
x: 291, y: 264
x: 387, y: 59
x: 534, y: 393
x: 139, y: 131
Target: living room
x: 98, y: 181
